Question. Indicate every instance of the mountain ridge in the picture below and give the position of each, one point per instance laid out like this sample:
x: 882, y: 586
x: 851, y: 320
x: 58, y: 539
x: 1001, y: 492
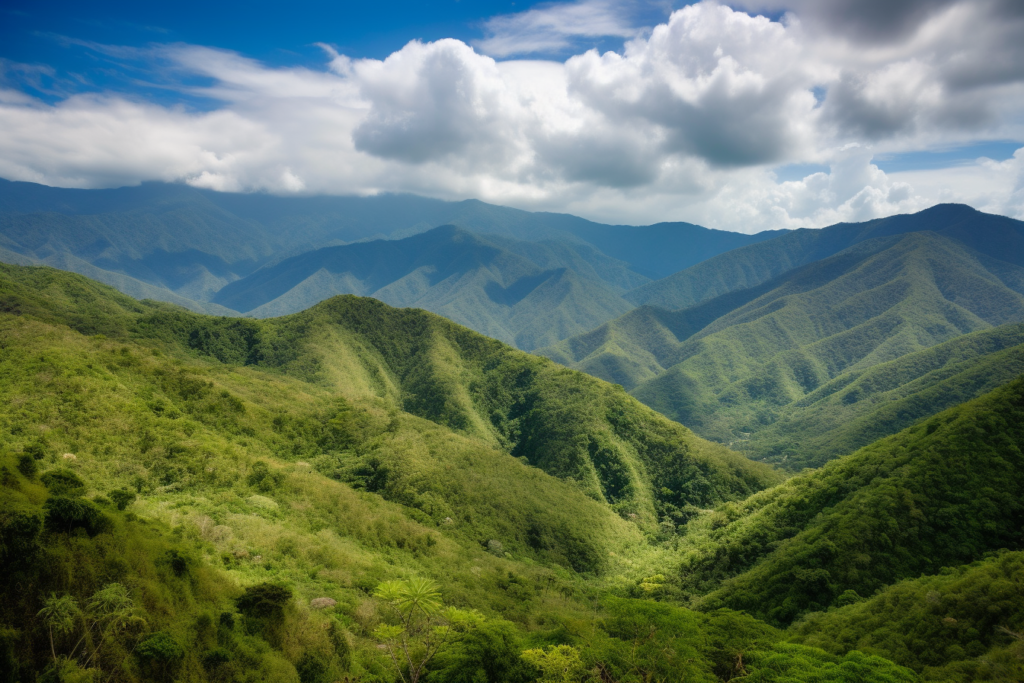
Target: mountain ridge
x: 746, y: 355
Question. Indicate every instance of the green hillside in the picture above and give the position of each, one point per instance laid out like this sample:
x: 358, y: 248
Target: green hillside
x: 862, y: 406
x: 748, y: 266
x: 525, y: 294
x: 203, y: 499
x: 940, y: 494
x: 613, y: 448
x: 804, y: 367
x: 961, y: 625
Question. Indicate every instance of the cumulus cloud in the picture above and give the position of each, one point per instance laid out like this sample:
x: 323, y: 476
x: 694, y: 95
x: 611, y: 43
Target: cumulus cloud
x: 686, y: 123
x: 718, y: 84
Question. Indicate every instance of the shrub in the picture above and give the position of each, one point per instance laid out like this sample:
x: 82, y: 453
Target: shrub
x: 215, y: 657
x: 313, y: 667
x: 27, y: 465
x: 64, y: 515
x: 264, y: 601
x: 18, y: 534
x: 63, y: 483
x: 35, y: 450
x: 122, y: 498
x: 262, y: 479
x: 178, y: 561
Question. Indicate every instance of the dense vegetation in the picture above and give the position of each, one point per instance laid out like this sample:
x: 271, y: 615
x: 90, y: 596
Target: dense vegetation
x: 168, y: 515
x: 939, y: 494
x: 827, y: 358
x: 362, y: 493
x: 963, y: 624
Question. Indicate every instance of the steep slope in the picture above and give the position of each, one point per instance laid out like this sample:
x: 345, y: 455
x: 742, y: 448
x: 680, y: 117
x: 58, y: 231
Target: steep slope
x: 960, y: 626
x: 938, y: 494
x: 861, y: 406
x: 737, y: 364
x: 566, y: 423
x: 230, y: 479
x: 996, y: 236
x: 217, y: 499
x: 527, y: 294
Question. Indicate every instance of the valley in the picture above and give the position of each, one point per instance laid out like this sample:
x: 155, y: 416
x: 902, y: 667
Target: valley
x: 785, y: 457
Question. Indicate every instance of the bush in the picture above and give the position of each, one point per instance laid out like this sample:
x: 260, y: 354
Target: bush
x: 27, y: 465
x: 64, y: 515
x: 63, y: 483
x: 160, y: 654
x: 36, y: 451
x: 122, y: 498
x: 178, y: 561
x: 262, y: 479
x: 264, y: 601
x: 488, y: 653
x: 215, y: 657
x: 18, y: 534
x: 313, y: 667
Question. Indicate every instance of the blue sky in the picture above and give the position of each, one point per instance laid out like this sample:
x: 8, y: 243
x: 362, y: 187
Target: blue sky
x: 277, y: 34
x: 761, y: 114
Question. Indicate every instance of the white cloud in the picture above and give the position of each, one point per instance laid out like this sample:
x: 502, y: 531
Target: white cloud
x: 554, y: 27
x: 686, y: 124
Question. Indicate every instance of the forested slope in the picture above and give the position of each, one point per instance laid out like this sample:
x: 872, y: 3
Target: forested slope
x: 770, y: 366
x: 963, y: 624
x: 193, y: 498
x: 940, y: 494
x: 564, y: 422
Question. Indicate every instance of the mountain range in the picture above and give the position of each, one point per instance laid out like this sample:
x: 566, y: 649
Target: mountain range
x: 175, y: 243
x: 230, y: 499
x: 807, y: 347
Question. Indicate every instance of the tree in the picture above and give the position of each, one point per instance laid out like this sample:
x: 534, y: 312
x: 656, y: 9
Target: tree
x: 420, y: 624
x: 557, y: 663
x: 489, y: 653
x: 108, y: 612
x: 161, y: 653
x: 59, y: 614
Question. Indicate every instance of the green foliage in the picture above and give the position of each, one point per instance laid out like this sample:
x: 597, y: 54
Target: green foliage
x: 63, y: 482
x: 264, y: 601
x: 19, y: 537
x: 947, y: 625
x: 385, y: 445
x: 419, y: 625
x: 936, y: 495
x: 488, y: 653
x: 65, y: 515
x: 799, y: 664
x: 557, y: 663
x: 27, y: 466
x: 262, y: 479
x: 829, y: 356
x: 122, y: 498
x: 161, y: 655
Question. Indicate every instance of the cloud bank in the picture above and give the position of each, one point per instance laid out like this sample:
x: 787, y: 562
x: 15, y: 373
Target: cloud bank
x: 690, y: 122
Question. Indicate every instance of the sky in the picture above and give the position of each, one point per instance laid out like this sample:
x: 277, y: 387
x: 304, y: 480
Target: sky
x: 752, y: 115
